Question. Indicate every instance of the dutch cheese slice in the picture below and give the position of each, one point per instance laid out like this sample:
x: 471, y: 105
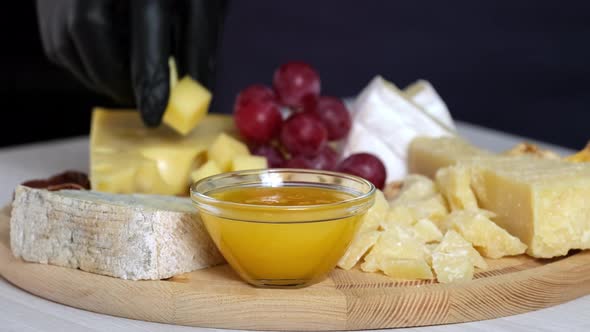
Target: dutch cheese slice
x: 127, y: 157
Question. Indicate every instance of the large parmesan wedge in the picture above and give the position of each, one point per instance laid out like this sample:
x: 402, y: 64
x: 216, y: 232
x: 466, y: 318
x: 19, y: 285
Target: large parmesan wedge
x: 126, y: 236
x: 543, y: 202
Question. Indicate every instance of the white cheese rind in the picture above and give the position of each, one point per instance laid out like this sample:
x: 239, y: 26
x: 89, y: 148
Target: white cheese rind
x: 125, y: 236
x: 423, y: 94
x: 385, y: 121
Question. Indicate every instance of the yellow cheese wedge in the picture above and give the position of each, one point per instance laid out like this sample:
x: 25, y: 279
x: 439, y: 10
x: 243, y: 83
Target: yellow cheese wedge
x: 187, y: 106
x: 454, y: 258
x: 427, y: 155
x: 455, y: 184
x: 240, y: 163
x: 427, y: 231
x: 487, y: 237
x: 399, y: 254
x: 209, y: 168
x: 543, y: 202
x: 127, y: 157
x: 359, y: 246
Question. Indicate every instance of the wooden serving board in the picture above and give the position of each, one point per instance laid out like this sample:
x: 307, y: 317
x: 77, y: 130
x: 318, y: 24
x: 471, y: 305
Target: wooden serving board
x: 347, y: 300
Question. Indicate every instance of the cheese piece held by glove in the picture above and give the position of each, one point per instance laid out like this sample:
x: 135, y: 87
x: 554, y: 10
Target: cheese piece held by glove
x: 187, y: 106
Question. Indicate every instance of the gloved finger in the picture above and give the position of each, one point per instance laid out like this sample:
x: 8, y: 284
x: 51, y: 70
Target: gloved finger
x: 99, y: 30
x: 198, y: 35
x: 57, y: 42
x: 151, y: 29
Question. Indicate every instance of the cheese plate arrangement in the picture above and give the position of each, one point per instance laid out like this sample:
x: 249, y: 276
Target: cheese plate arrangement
x: 302, y: 212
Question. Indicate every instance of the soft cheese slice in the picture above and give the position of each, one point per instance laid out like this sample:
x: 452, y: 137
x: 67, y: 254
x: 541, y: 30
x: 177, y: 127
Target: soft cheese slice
x: 423, y: 94
x: 127, y: 157
x: 543, y: 202
x: 393, y: 120
x: 124, y: 236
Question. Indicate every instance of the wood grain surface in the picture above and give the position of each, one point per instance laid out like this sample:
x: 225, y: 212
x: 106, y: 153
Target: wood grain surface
x: 347, y: 300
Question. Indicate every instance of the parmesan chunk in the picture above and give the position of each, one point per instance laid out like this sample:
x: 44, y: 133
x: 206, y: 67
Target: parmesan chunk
x: 543, y: 202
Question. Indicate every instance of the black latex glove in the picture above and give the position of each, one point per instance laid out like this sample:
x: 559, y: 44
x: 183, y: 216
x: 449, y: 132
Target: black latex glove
x: 121, y: 47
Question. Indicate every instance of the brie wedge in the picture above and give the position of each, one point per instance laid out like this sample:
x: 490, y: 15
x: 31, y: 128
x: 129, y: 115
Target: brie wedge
x: 386, y: 120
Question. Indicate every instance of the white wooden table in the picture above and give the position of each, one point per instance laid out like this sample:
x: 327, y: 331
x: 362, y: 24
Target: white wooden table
x: 21, y: 311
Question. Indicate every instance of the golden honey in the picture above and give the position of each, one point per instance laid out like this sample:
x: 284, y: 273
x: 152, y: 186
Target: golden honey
x: 287, y: 235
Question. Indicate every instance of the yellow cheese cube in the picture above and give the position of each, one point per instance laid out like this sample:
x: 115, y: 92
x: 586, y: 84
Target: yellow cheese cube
x: 225, y: 149
x: 207, y: 169
x: 240, y: 163
x: 398, y: 215
x: 398, y: 248
x: 376, y: 213
x: 454, y: 258
x: 415, y: 188
x: 173, y: 164
x: 359, y: 246
x: 487, y: 237
x: 408, y: 269
x: 433, y: 208
x: 427, y: 231
x: 187, y: 106
x: 454, y: 183
x: 127, y: 157
x: 420, y: 197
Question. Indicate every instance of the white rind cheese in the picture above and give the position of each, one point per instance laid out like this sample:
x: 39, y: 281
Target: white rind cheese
x: 125, y: 236
x: 423, y: 94
x: 386, y: 120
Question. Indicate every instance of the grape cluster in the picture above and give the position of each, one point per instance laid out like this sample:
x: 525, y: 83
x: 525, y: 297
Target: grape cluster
x: 302, y: 139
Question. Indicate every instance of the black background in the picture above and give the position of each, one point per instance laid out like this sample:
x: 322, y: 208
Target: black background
x: 517, y: 66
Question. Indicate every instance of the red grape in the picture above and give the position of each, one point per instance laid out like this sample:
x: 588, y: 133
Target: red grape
x: 365, y: 165
x: 334, y: 116
x: 327, y: 159
x: 255, y: 92
x: 303, y: 134
x: 273, y: 155
x: 294, y: 82
x: 258, y: 120
x: 298, y: 162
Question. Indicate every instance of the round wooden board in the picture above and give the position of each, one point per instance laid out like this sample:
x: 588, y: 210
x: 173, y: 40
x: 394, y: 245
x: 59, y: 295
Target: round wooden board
x: 347, y: 300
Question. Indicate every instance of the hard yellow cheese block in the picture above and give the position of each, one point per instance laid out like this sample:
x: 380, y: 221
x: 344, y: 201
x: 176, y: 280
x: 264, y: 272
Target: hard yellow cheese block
x: 545, y: 203
x: 127, y: 157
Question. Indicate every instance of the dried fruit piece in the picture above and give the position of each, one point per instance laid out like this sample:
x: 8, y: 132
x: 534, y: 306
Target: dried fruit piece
x: 65, y: 180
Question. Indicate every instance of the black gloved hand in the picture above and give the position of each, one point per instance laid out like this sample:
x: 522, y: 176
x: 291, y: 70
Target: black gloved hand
x: 121, y: 47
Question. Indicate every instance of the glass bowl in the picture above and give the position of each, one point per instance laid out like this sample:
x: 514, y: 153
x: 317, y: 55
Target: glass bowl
x: 285, y: 243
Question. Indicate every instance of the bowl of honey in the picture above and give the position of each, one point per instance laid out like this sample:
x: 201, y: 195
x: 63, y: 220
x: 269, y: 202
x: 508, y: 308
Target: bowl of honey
x: 282, y: 228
